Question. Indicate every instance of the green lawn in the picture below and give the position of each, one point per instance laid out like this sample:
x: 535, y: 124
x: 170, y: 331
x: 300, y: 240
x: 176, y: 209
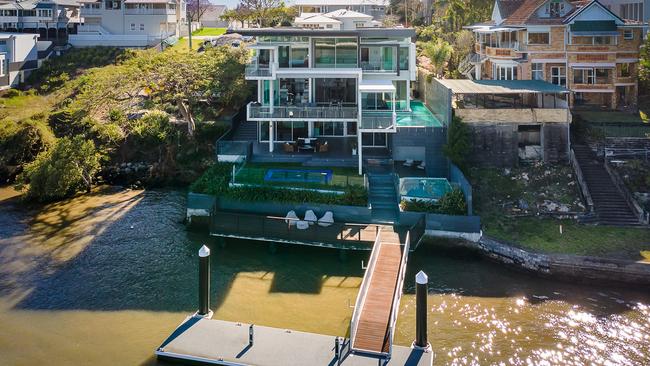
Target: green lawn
x: 253, y: 173
x: 209, y: 32
x: 610, y: 116
x: 26, y: 105
x: 543, y: 235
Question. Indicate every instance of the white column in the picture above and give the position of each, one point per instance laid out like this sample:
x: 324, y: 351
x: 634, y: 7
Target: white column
x: 408, y: 95
x: 359, y: 151
x: 271, y: 100
x: 359, y: 148
x: 271, y: 136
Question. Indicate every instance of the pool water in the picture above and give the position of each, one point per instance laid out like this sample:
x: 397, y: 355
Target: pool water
x: 424, y: 188
x: 298, y: 175
x: 419, y: 116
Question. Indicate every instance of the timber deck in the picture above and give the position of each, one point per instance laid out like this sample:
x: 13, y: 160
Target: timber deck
x: 372, y: 333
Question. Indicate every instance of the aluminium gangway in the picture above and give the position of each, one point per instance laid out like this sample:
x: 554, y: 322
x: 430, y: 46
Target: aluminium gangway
x: 375, y: 311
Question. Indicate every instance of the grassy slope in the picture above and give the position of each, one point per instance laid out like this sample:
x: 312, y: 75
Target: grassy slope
x: 493, y: 190
x: 24, y: 106
x: 209, y: 32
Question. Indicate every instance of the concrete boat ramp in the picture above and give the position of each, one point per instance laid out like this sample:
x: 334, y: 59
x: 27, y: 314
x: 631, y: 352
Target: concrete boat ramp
x: 216, y: 342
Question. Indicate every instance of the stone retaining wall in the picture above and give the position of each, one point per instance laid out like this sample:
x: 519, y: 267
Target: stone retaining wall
x: 585, y: 269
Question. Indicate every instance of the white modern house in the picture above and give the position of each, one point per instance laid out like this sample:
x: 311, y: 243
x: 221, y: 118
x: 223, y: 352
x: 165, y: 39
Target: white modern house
x: 336, y: 96
x: 336, y: 20
x: 129, y: 23
x: 51, y: 19
x: 18, y: 57
x: 375, y: 8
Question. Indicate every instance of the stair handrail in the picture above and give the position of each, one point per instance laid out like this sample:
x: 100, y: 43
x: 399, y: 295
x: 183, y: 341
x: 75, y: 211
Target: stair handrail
x: 584, y: 189
x: 642, y: 215
x: 363, y: 289
x: 397, y: 295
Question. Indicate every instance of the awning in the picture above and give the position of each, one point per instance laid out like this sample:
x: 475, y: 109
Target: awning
x: 593, y: 65
x: 376, y: 86
x: 595, y: 33
x: 593, y: 26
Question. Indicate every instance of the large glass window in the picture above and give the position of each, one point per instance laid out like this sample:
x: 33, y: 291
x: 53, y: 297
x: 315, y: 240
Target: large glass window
x: 583, y: 76
x: 401, y: 94
x: 377, y: 139
x: 376, y: 101
x: 329, y: 129
x: 293, y: 56
x: 558, y: 75
x: 403, y: 58
x: 537, y: 71
x: 379, y: 58
x: 335, y: 52
x: 505, y: 72
x: 539, y: 38
x: 346, y: 52
x: 336, y: 90
x: 294, y: 91
x: 602, y: 76
x: 625, y: 70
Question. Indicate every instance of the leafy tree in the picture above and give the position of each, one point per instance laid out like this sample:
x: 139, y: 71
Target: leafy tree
x: 62, y: 171
x: 196, y: 9
x: 261, y: 13
x: 439, y: 53
x: 644, y: 68
x: 458, y: 146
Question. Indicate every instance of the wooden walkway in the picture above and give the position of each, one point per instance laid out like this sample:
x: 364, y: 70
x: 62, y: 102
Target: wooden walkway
x: 372, y: 332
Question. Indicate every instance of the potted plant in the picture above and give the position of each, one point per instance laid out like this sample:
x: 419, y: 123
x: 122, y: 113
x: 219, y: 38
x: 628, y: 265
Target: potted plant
x: 354, y: 148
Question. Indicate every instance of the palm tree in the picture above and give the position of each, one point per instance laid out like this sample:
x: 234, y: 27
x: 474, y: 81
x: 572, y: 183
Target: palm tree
x: 439, y: 53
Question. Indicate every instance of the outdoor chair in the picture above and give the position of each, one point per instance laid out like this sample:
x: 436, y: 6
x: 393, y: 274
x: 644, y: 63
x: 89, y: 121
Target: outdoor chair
x: 422, y: 166
x: 409, y: 163
x: 291, y: 218
x: 323, y: 148
x: 288, y: 147
x: 311, y: 217
x: 302, y: 225
x: 326, y: 220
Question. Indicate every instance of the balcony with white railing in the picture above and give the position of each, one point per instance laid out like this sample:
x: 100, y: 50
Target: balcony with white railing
x: 141, y: 11
x: 306, y: 112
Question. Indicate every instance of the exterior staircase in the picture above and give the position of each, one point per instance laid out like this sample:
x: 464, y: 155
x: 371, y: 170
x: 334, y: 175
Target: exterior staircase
x: 382, y: 193
x: 247, y: 131
x: 610, y: 206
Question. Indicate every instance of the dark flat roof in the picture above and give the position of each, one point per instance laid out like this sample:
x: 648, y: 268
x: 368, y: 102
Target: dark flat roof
x: 292, y: 31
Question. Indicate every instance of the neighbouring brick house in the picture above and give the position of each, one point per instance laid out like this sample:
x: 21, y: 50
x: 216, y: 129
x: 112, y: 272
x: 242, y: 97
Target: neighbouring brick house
x: 581, y: 45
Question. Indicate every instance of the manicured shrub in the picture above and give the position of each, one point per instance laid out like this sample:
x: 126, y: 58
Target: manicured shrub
x: 452, y: 203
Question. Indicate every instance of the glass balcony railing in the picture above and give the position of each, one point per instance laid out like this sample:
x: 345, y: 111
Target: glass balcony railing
x: 256, y: 111
x: 379, y: 66
x: 378, y: 120
x: 256, y: 69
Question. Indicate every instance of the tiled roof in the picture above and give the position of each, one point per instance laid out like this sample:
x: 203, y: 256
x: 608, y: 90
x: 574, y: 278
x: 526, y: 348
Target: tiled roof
x: 507, y: 7
x: 523, y: 12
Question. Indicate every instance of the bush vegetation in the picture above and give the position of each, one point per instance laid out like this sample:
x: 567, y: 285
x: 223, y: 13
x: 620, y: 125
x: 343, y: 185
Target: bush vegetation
x: 458, y: 147
x: 126, y: 103
x: 68, y: 167
x: 452, y: 203
x: 215, y: 181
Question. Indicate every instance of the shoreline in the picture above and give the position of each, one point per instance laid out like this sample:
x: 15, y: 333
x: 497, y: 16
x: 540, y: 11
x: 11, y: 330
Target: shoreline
x: 585, y: 269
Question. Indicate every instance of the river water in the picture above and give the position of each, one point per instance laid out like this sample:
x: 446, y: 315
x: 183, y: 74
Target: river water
x: 102, y: 279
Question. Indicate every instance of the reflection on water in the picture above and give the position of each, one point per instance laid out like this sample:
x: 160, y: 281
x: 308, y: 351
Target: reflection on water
x: 103, y: 279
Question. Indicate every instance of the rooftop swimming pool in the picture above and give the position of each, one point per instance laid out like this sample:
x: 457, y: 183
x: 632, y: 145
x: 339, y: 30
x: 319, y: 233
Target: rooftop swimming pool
x: 423, y: 188
x: 419, y: 116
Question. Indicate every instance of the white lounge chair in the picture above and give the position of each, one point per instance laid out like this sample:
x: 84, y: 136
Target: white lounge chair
x: 326, y: 220
x: 422, y: 166
x: 302, y: 225
x: 311, y: 217
x: 291, y: 218
x: 408, y: 163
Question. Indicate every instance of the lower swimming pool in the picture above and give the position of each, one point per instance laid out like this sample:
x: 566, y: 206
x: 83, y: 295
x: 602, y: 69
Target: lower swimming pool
x: 298, y: 175
x: 423, y: 188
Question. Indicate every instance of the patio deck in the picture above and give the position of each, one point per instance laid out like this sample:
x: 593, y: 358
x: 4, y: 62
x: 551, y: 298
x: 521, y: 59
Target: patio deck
x: 339, y: 153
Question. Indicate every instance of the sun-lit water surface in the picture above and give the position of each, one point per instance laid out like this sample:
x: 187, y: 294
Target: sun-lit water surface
x: 103, y: 279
